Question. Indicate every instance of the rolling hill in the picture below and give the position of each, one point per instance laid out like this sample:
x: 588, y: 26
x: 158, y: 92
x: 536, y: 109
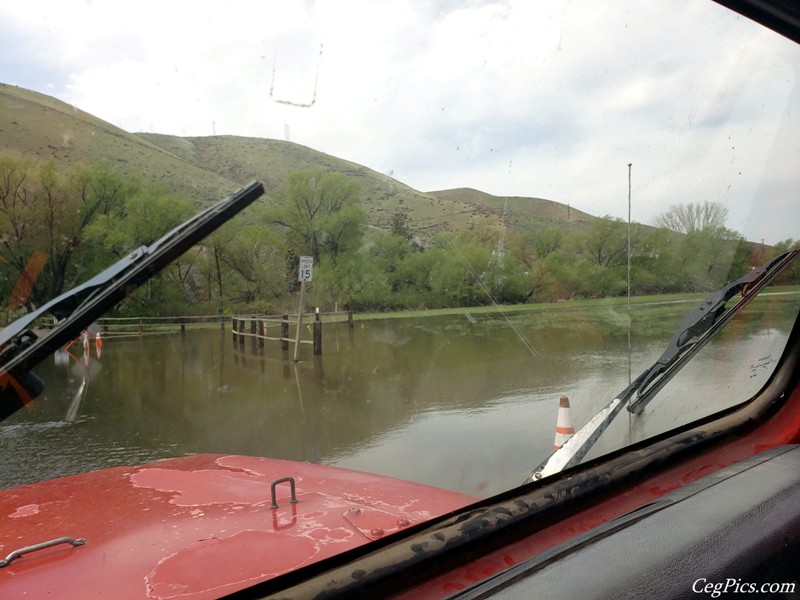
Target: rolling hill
x: 207, y: 168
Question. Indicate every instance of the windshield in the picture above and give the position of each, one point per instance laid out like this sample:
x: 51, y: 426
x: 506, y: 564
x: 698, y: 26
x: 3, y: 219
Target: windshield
x: 477, y: 209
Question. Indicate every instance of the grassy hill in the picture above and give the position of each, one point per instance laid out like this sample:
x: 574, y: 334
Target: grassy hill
x: 40, y: 127
x: 207, y: 168
x: 521, y: 213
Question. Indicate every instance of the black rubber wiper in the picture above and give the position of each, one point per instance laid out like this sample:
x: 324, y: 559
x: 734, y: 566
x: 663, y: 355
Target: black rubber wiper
x: 21, y: 349
x: 696, y: 329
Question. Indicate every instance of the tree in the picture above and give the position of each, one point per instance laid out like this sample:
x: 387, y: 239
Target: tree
x: 47, y: 210
x: 547, y: 241
x: 387, y: 252
x: 708, y: 251
x: 321, y: 213
x: 709, y: 257
x: 606, y: 242
x: 399, y: 225
x: 694, y: 216
x: 145, y: 216
x: 791, y: 275
x: 210, y: 261
x: 254, y: 256
x: 355, y: 282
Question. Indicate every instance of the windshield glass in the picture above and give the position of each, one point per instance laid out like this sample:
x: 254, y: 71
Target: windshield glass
x: 479, y: 209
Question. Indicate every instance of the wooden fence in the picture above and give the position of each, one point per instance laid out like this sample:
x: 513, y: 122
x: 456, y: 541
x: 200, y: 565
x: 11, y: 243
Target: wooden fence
x: 117, y: 327
x: 258, y: 327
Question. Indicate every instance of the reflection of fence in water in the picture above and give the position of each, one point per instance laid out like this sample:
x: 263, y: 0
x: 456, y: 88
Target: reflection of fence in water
x: 256, y: 328
x: 253, y: 356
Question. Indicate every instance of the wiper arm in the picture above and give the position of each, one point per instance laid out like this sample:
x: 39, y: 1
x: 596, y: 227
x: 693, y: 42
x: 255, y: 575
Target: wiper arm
x: 700, y: 325
x: 66, y: 304
x: 696, y: 329
x: 20, y: 347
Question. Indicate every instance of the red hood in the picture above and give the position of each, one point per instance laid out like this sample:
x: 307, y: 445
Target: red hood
x: 197, y: 527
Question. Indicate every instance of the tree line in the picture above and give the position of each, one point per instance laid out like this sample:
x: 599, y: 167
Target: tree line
x: 59, y: 226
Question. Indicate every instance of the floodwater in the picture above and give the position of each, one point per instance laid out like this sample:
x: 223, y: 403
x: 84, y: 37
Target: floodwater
x: 465, y: 402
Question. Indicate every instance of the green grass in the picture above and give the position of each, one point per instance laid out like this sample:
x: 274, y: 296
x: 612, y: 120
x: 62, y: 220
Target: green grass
x: 569, y: 305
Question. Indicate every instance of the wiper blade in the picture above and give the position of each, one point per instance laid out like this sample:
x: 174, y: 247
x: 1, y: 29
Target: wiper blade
x: 696, y: 329
x: 21, y: 348
x: 700, y: 325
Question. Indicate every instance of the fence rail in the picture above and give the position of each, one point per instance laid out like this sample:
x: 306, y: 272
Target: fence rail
x: 256, y: 328
x: 112, y: 327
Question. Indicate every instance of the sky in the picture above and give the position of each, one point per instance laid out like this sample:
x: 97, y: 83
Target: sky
x: 515, y: 98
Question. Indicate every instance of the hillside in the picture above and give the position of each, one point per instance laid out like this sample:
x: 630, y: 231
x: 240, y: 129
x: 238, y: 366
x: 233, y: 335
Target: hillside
x: 242, y: 158
x: 207, y: 168
x: 521, y: 213
x: 40, y: 127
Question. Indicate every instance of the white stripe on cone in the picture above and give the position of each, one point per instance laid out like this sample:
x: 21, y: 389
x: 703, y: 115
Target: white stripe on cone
x: 564, y: 428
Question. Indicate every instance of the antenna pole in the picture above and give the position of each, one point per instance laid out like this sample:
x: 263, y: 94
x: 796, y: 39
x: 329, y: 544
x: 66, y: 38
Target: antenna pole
x: 629, y: 272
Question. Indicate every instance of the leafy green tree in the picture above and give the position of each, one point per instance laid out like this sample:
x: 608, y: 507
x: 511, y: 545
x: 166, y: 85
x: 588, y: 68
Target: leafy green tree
x: 354, y: 282
x: 210, y: 263
x: 145, y: 216
x: 605, y: 244
x: 387, y: 252
x: 399, y: 225
x: 709, y: 257
x: 454, y: 276
x: 255, y: 257
x: 539, y: 254
x: 708, y: 253
x: 48, y: 210
x: 791, y: 276
x: 321, y: 213
x: 547, y: 241
x: 413, y: 279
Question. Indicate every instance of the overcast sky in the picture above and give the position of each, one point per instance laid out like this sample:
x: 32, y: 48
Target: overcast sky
x: 550, y: 99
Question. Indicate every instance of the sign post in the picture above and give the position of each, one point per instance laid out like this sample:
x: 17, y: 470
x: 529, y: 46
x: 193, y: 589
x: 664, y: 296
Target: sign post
x: 303, y: 275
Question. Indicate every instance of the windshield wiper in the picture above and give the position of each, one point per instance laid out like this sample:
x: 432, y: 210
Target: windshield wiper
x: 696, y: 329
x: 21, y: 349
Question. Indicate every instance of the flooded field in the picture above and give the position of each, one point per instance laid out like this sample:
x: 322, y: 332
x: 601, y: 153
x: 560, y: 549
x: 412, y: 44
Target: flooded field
x: 462, y: 402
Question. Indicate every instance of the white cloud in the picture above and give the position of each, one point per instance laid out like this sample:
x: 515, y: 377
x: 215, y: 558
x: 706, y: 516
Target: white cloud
x: 515, y: 98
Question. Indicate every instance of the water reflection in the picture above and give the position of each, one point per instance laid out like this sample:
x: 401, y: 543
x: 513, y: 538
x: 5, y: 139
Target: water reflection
x: 453, y: 402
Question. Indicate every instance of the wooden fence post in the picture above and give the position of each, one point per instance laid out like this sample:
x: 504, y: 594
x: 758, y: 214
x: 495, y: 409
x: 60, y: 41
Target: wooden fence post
x: 262, y: 331
x: 317, y: 334
x: 350, y: 318
x: 285, y: 333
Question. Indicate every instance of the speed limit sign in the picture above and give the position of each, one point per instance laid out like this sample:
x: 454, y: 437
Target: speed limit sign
x: 304, y: 272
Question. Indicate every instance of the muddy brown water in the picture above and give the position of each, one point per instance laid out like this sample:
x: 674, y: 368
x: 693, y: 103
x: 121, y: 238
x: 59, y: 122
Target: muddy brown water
x: 462, y: 402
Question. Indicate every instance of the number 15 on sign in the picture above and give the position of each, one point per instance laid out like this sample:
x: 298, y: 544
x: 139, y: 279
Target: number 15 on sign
x: 304, y: 272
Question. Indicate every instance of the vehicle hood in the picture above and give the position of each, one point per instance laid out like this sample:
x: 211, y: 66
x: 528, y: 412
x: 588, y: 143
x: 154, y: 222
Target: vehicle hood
x: 197, y: 527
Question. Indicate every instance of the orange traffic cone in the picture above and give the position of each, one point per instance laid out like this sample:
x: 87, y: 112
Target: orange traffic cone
x: 564, y: 428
